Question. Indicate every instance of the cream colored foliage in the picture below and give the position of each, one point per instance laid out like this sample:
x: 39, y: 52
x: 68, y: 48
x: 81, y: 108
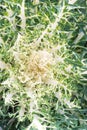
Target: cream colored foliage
x: 36, y: 124
x: 2, y: 65
x: 8, y: 98
x: 72, y: 1
x: 38, y: 67
x: 21, y: 113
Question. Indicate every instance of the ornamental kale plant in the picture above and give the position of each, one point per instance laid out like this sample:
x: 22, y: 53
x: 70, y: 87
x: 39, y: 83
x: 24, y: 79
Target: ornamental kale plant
x: 43, y: 65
